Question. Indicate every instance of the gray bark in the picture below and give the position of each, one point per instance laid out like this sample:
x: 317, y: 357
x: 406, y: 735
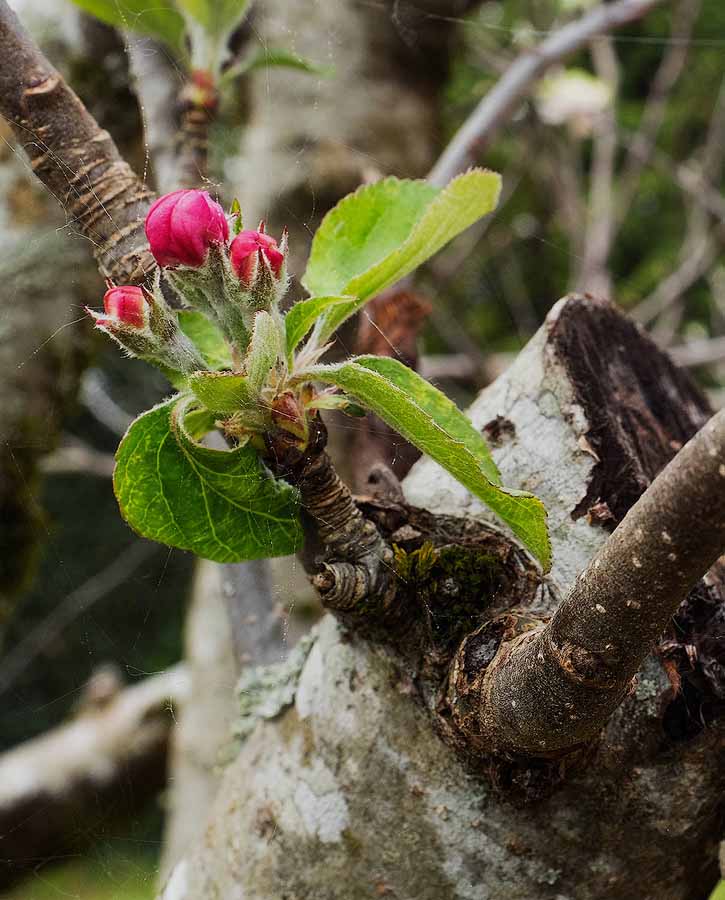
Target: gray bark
x: 350, y: 793
x: 291, y: 168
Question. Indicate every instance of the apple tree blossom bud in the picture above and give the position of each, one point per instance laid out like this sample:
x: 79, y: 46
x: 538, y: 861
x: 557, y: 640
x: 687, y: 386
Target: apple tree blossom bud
x: 181, y: 227
x: 144, y: 325
x: 250, y: 251
x: 127, y: 305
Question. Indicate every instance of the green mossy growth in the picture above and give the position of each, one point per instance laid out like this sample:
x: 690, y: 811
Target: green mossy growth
x: 451, y: 586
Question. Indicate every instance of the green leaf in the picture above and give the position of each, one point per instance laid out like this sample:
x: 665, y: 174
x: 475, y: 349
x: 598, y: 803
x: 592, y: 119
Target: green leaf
x: 159, y: 18
x: 218, y: 17
x: 263, y: 350
x: 303, y: 316
x: 362, y: 229
x: 198, y: 422
x: 385, y: 230
x: 522, y: 512
x: 208, y: 338
x: 223, y: 392
x: 236, y: 211
x: 221, y: 504
x: 277, y: 57
x: 432, y: 401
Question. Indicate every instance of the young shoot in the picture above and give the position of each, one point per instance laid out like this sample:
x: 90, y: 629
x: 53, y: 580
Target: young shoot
x: 244, y: 367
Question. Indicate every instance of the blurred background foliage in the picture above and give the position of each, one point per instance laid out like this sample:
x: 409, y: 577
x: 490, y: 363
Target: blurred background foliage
x: 489, y: 293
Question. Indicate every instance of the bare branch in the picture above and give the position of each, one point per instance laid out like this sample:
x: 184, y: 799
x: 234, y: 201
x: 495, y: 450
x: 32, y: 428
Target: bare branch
x: 501, y: 100
x: 552, y: 689
x: 454, y: 366
x: 75, y: 456
x: 350, y: 562
x: 702, y: 241
x: 24, y: 654
x: 699, y: 353
x: 76, y: 160
x: 695, y: 262
x: 643, y: 143
x: 83, y: 771
x: 594, y: 275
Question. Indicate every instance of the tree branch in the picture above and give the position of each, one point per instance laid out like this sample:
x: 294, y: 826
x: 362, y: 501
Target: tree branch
x: 501, y: 100
x: 104, y: 762
x: 552, y: 689
x: 76, y: 160
x: 350, y: 562
x: 703, y: 352
x: 594, y: 275
x: 642, y: 145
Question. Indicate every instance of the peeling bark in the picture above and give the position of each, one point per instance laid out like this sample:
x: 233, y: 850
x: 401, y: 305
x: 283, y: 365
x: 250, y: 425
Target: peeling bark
x: 353, y: 793
x: 556, y: 686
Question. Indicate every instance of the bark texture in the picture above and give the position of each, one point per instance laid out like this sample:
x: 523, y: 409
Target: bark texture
x: 351, y: 562
x: 554, y: 688
x: 76, y: 159
x: 351, y: 793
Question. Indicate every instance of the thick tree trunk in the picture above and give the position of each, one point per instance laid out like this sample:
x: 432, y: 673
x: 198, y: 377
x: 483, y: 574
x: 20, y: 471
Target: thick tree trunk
x: 351, y: 791
x: 291, y: 168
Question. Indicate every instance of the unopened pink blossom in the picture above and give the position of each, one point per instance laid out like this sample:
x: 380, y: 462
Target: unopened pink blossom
x: 126, y: 304
x: 248, y: 250
x: 181, y: 227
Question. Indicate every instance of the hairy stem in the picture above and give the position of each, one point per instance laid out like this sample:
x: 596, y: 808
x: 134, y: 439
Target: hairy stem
x: 76, y: 159
x: 553, y: 688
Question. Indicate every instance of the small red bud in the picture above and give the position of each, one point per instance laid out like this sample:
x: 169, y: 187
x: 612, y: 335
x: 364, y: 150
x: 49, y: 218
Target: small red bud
x: 249, y: 250
x: 126, y: 304
x: 181, y: 226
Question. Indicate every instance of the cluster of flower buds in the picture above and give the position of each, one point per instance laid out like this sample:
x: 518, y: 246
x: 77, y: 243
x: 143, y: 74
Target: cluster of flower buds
x: 189, y: 237
x: 188, y: 234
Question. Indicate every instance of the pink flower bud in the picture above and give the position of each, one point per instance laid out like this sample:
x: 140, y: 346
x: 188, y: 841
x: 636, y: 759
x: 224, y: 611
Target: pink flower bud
x: 126, y: 305
x: 249, y: 249
x: 181, y: 226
